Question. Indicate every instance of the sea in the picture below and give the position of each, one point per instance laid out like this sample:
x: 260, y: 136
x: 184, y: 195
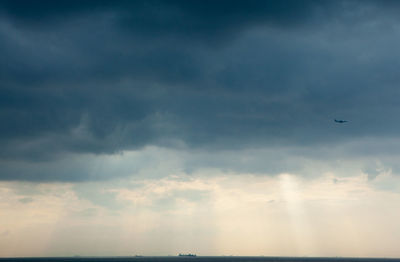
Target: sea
x: 196, y: 259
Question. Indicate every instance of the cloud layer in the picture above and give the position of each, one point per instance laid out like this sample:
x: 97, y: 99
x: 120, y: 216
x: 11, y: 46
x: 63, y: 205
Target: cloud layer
x: 105, y: 78
x: 223, y: 215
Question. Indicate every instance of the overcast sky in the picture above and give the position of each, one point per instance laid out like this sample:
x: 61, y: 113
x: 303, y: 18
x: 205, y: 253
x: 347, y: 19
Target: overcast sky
x: 159, y: 127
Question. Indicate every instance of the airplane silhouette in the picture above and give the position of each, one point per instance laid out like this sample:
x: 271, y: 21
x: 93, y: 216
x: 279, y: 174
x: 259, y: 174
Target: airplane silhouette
x: 341, y: 121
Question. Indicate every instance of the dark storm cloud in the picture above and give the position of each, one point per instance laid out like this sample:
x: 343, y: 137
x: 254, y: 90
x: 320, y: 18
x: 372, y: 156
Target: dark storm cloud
x: 190, y: 18
x: 107, y: 76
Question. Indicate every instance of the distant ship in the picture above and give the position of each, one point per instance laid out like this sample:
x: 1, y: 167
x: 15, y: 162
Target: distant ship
x: 187, y: 255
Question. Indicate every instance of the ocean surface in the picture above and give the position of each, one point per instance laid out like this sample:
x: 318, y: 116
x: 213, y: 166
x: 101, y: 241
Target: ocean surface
x: 198, y: 259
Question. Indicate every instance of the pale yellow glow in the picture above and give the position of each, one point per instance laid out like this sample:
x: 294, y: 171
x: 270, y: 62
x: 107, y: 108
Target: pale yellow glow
x: 302, y: 231
x: 222, y: 214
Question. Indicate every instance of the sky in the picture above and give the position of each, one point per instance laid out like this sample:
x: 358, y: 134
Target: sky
x: 165, y: 127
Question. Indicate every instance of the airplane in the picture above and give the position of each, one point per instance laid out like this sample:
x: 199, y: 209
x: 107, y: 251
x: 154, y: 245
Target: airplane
x: 341, y: 121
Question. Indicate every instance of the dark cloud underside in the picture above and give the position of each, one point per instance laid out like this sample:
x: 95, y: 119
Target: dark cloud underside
x: 107, y: 76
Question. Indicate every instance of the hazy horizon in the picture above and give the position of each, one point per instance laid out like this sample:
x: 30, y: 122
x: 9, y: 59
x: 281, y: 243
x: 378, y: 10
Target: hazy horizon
x: 208, y: 127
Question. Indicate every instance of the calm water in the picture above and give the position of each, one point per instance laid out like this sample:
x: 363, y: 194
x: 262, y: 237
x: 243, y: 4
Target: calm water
x: 197, y: 259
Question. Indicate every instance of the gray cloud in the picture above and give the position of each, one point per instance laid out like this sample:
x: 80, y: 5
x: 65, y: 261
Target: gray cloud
x: 101, y: 78
x: 207, y: 18
x: 26, y: 200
